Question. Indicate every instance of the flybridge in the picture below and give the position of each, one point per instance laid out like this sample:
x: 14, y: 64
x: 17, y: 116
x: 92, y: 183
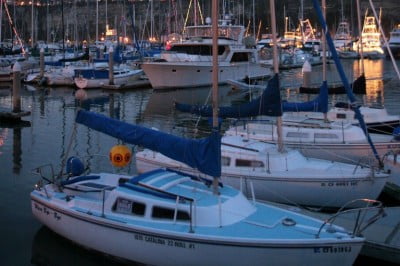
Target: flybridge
x: 224, y: 31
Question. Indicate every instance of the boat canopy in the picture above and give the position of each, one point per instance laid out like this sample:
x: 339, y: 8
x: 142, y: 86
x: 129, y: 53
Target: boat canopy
x: 203, y: 154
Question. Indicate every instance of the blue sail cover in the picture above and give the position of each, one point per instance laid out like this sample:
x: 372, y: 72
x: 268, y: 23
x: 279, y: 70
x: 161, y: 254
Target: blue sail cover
x: 343, y: 77
x: 202, y: 154
x: 269, y: 103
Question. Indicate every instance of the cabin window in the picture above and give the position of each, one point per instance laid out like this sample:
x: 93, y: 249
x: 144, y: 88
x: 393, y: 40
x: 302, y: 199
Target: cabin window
x: 122, y: 180
x: 325, y: 136
x: 301, y: 135
x: 205, y: 50
x: 341, y: 116
x: 248, y: 163
x: 165, y: 213
x: 240, y: 57
x: 225, y: 161
x: 126, y: 206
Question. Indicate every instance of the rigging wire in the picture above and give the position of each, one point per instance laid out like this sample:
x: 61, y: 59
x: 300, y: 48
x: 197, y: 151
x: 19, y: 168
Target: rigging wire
x: 13, y: 27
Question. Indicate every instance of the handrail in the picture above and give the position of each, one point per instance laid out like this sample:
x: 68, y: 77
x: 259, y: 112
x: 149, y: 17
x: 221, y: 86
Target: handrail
x: 359, y: 225
x: 38, y: 171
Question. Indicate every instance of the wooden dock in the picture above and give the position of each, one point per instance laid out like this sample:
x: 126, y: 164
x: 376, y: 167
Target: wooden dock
x: 12, y: 116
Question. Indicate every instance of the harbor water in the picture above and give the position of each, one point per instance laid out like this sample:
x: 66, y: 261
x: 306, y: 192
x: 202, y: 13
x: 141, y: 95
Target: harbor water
x: 49, y: 136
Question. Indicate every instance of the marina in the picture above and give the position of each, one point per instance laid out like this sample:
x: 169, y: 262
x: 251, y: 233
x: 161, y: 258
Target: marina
x: 52, y: 115
x: 117, y: 149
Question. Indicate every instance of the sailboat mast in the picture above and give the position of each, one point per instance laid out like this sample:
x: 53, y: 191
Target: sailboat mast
x: 97, y: 22
x: 32, y: 24
x: 286, y: 20
x: 214, y: 19
x: 214, y: 27
x: 254, y: 19
x: 324, y: 49
x: 276, y: 67
x: 360, y: 36
x: 301, y: 20
x: 341, y: 9
x: 1, y: 17
x: 106, y: 16
x: 324, y: 42
x: 62, y: 27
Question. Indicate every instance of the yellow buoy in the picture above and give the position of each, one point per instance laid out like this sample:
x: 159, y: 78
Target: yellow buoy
x: 120, y: 155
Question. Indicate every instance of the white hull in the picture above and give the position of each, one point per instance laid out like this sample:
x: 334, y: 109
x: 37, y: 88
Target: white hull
x: 337, y: 141
x: 121, y: 80
x: 293, y: 187
x: 164, y: 75
x: 307, y: 192
x: 345, y: 152
x: 163, y: 248
x: 59, y: 80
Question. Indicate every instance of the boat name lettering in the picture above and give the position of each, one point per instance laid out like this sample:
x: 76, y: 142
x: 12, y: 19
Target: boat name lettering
x: 162, y: 241
x: 339, y: 184
x: 346, y: 249
x: 393, y: 146
x: 47, y: 211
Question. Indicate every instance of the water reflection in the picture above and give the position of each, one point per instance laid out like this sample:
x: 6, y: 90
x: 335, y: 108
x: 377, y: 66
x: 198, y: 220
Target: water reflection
x: 162, y: 101
x: 52, y: 122
x: 17, y: 150
x: 50, y: 249
x: 3, y: 137
x: 161, y: 105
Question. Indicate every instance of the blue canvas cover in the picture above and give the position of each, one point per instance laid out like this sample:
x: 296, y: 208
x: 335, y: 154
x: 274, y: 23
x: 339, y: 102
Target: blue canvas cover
x: 269, y: 103
x: 203, y: 154
x: 91, y: 73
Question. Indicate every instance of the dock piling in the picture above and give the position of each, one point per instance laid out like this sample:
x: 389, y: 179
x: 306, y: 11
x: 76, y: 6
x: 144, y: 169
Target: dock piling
x: 111, y: 66
x: 16, y: 88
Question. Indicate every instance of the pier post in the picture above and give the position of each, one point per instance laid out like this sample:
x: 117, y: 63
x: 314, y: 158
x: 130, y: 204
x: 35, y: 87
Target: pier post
x: 41, y: 62
x: 111, y: 66
x: 16, y: 87
x: 306, y: 70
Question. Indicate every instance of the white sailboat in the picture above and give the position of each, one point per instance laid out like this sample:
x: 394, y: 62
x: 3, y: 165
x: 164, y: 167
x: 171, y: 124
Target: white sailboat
x: 168, y: 218
x: 316, y: 138
x: 377, y: 119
